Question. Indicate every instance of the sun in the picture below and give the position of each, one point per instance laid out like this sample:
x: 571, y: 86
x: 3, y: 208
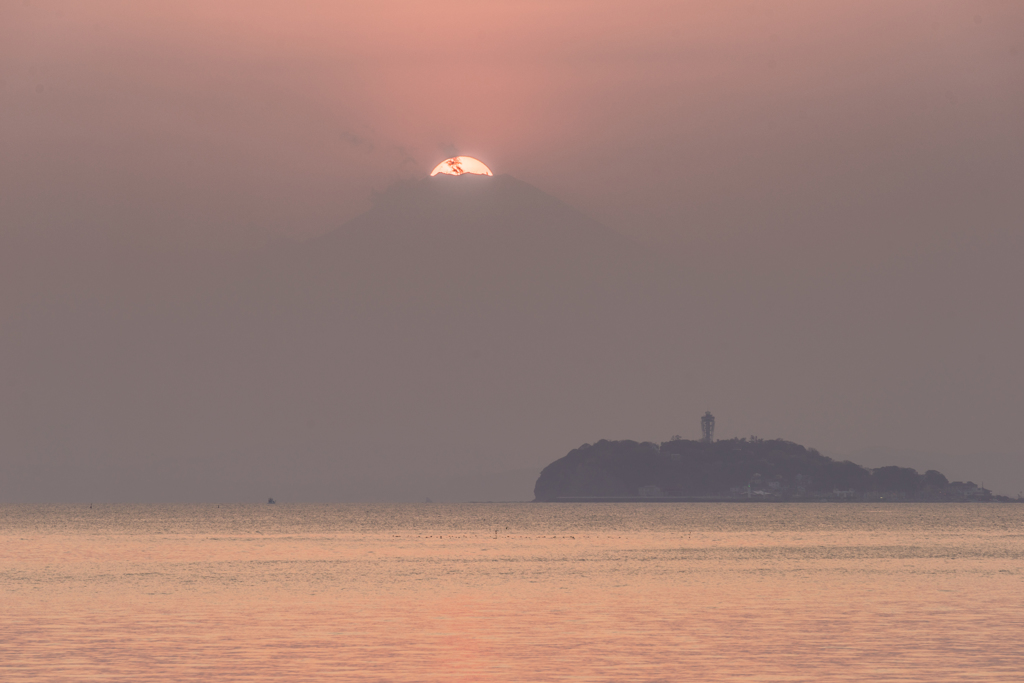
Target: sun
x: 460, y: 165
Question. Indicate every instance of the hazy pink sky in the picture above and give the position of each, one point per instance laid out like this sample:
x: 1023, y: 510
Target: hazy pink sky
x: 667, y: 120
x: 849, y: 172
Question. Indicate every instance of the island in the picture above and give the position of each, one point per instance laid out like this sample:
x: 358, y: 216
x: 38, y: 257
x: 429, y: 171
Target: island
x: 737, y: 470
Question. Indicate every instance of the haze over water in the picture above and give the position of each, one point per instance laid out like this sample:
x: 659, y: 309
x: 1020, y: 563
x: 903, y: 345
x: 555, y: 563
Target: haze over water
x: 517, y: 592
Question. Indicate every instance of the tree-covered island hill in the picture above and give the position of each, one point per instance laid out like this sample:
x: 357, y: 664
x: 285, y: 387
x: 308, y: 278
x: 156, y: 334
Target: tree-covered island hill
x: 736, y: 470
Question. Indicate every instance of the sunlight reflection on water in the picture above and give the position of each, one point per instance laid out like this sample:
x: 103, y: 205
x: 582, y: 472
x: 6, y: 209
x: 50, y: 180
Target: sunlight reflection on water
x: 519, y: 592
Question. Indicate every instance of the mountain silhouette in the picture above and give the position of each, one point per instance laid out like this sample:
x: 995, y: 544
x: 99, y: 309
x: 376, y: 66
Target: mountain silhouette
x: 470, y: 238
x: 462, y: 327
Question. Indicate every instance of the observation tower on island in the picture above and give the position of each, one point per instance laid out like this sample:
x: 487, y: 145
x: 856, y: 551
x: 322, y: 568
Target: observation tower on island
x: 707, y: 427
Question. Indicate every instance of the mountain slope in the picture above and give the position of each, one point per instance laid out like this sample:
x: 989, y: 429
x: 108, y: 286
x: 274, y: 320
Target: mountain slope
x: 463, y: 324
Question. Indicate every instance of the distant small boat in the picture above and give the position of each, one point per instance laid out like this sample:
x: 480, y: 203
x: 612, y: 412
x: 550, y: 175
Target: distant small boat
x: 271, y: 501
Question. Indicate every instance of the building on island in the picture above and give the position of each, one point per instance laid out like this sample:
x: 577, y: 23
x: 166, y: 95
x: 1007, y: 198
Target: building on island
x: 707, y: 427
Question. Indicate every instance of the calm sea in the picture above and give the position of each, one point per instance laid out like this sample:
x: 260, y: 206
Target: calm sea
x: 519, y: 592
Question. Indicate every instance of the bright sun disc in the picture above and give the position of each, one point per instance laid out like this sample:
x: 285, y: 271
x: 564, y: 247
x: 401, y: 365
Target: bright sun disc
x: 460, y: 165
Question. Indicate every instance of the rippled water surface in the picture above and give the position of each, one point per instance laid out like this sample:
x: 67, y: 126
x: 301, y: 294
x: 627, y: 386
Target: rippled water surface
x: 520, y: 592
